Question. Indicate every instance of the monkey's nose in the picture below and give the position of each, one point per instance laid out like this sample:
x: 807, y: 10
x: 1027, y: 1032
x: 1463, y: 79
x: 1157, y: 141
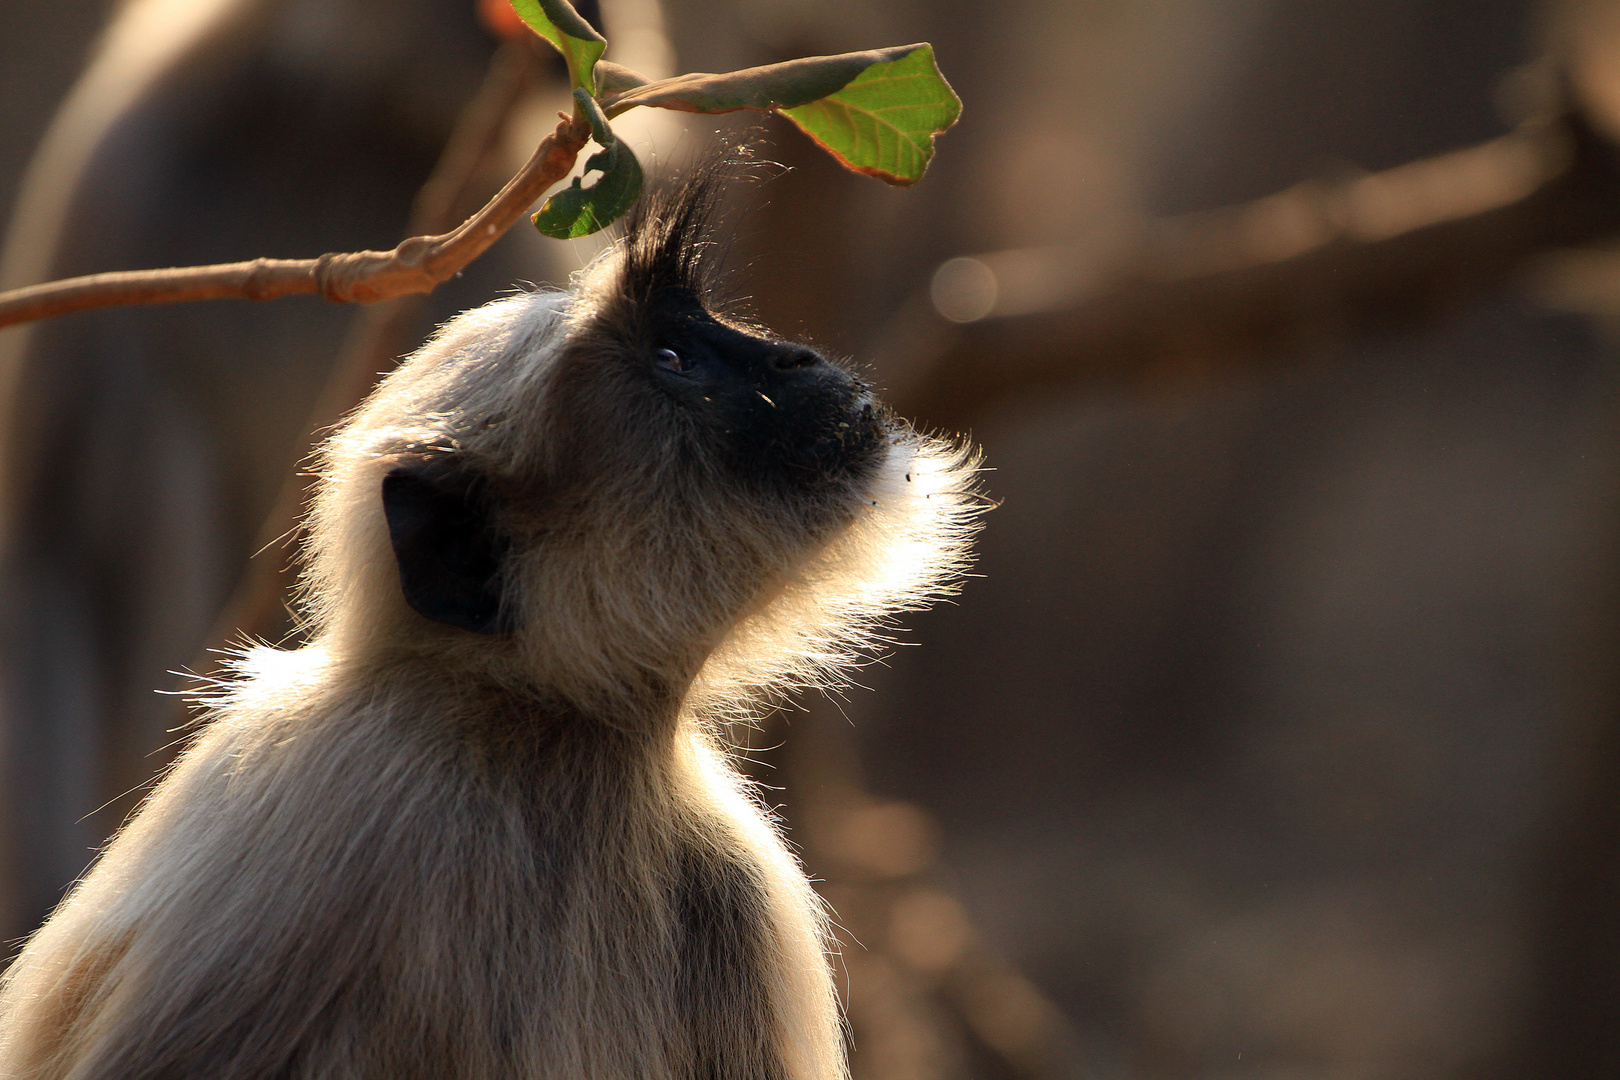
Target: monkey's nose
x: 792, y: 357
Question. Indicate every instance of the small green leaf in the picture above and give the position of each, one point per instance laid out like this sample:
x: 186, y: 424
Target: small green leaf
x: 576, y: 39
x: 774, y: 86
x: 883, y: 122
x: 577, y: 210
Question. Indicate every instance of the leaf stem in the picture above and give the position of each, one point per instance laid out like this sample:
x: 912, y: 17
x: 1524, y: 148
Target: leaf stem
x: 587, y: 105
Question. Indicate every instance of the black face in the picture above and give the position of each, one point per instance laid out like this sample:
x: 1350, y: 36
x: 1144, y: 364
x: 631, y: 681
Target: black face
x: 779, y: 412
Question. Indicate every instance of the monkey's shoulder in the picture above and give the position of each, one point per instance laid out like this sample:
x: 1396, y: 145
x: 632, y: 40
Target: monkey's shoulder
x: 386, y: 888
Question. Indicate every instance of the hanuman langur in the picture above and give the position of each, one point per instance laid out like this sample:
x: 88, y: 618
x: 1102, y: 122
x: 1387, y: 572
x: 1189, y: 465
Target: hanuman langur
x: 482, y: 826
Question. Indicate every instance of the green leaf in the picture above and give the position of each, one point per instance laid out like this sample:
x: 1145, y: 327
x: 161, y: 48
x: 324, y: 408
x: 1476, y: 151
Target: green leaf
x: 576, y: 39
x: 577, y: 210
x: 877, y: 112
x: 774, y: 86
x: 883, y: 122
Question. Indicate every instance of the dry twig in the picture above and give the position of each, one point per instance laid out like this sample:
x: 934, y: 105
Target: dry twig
x: 417, y: 265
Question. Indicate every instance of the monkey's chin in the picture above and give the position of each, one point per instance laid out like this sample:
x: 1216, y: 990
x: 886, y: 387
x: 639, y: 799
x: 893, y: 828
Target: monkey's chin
x: 901, y: 542
x: 851, y: 450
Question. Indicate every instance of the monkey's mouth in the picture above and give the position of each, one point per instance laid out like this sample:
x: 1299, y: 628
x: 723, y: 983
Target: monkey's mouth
x: 835, y: 441
x: 851, y: 447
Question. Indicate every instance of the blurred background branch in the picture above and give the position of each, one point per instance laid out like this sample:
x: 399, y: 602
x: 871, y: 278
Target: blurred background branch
x: 1380, y: 253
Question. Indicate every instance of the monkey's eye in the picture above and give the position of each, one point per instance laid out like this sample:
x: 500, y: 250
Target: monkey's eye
x: 670, y: 360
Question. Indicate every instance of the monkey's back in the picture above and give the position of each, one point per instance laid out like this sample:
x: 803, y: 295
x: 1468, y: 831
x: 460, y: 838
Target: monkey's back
x: 385, y: 881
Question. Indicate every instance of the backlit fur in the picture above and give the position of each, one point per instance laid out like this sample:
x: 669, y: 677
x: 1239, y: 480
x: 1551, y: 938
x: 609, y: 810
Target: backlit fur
x: 409, y: 850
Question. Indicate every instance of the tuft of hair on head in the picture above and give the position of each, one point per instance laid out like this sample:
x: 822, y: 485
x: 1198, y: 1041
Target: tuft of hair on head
x: 673, y: 241
x: 668, y: 241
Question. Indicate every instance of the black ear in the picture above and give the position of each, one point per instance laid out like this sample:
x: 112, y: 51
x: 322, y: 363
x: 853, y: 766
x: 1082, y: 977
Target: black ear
x: 450, y: 554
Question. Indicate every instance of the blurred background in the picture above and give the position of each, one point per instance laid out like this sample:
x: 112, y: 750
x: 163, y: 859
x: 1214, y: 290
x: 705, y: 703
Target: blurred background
x: 1280, y: 737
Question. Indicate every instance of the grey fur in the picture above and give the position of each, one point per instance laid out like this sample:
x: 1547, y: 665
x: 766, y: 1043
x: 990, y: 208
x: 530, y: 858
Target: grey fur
x: 414, y: 850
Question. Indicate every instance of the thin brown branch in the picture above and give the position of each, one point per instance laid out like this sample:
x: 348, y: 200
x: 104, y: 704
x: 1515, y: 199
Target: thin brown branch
x: 417, y: 265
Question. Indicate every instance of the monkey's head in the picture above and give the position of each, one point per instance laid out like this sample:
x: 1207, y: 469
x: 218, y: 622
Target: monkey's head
x: 617, y: 494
